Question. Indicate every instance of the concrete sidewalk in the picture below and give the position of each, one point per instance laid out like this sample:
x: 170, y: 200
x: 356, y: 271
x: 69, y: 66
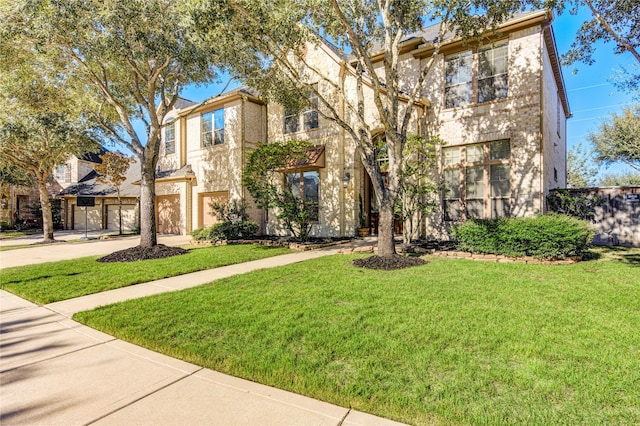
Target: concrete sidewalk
x: 57, y: 371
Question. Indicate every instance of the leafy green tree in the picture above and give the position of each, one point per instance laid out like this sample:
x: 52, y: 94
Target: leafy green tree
x: 269, y: 44
x: 264, y: 180
x: 581, y: 171
x: 36, y: 143
x: 132, y: 57
x: 618, y: 139
x: 613, y: 21
x: 620, y: 179
x: 419, y: 183
x: 113, y: 172
x: 41, y: 120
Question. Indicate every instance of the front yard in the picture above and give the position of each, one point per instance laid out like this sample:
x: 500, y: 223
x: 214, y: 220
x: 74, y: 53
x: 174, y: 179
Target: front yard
x: 453, y: 341
x: 55, y: 281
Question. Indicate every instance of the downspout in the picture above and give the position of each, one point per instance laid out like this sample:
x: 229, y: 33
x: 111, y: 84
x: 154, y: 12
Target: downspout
x: 541, y: 128
x: 341, y: 139
x: 243, y: 142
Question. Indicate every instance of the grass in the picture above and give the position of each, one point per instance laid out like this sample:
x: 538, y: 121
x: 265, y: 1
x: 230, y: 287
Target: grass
x: 6, y: 235
x: 55, y: 281
x: 453, y: 341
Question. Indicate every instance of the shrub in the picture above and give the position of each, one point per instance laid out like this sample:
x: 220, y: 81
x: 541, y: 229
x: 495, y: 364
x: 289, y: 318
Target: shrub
x: 543, y: 236
x: 234, y: 225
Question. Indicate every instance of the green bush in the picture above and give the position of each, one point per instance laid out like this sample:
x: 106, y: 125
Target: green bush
x: 543, y: 236
x: 234, y: 225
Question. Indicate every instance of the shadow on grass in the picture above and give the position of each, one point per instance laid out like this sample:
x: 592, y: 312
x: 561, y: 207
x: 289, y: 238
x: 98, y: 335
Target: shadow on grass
x: 618, y: 254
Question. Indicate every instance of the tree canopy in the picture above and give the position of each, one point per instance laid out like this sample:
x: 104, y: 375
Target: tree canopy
x: 612, y: 21
x: 618, y: 139
x: 132, y: 58
x: 581, y: 170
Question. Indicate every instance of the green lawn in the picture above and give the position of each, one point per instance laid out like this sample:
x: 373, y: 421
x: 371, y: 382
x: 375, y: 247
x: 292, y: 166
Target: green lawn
x: 55, y: 281
x: 453, y: 341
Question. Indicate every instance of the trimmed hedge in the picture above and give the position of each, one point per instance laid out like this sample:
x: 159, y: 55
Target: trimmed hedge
x: 549, y: 236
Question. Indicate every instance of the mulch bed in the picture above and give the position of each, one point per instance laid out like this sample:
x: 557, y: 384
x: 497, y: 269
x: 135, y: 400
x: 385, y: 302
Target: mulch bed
x: 389, y: 263
x: 133, y: 254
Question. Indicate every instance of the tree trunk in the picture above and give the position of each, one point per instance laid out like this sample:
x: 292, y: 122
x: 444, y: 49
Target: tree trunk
x: 386, y: 244
x: 47, y: 216
x: 148, y: 236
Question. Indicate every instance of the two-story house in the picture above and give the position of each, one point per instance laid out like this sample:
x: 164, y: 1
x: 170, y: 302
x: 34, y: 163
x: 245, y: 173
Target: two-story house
x: 202, y: 157
x: 499, y: 106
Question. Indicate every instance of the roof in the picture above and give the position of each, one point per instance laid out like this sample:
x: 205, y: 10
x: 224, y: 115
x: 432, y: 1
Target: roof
x: 183, y: 103
x: 183, y: 172
x: 88, y: 186
x: 94, y: 157
x: 188, y: 107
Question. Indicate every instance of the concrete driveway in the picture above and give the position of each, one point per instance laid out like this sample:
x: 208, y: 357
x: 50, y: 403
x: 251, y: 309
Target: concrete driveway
x: 71, y: 247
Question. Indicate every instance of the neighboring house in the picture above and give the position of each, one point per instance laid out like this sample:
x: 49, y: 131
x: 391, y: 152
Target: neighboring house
x: 500, y: 108
x: 17, y: 202
x: 78, y: 183
x: 202, y: 157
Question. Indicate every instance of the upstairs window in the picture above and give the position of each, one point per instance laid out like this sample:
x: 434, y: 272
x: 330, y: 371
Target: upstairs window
x: 213, y: 128
x: 170, y: 138
x: 458, y: 89
x: 62, y: 173
x: 305, y: 119
x: 480, y: 76
x: 492, y: 73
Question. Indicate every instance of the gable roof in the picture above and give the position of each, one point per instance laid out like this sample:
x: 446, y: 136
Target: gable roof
x: 93, y: 157
x: 88, y: 186
x: 183, y: 103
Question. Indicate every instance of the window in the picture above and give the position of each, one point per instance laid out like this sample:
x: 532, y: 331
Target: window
x: 492, y: 73
x: 307, y: 184
x: 213, y: 128
x: 476, y: 181
x: 307, y: 118
x: 291, y: 121
x: 474, y: 186
x: 170, y: 138
x: 489, y: 63
x: 452, y: 194
x: 459, y: 84
x: 62, y: 173
x: 310, y: 114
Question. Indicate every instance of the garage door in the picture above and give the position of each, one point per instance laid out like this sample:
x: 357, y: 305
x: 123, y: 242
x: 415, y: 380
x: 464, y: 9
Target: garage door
x: 129, y: 217
x: 93, y: 222
x: 206, y: 217
x: 168, y: 212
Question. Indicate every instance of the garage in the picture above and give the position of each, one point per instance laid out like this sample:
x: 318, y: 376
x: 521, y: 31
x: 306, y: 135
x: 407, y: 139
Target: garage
x: 93, y: 218
x: 129, y: 217
x: 168, y: 214
x: 205, y: 200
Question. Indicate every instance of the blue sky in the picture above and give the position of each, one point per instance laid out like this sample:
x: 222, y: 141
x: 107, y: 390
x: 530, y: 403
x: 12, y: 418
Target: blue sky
x: 592, y: 96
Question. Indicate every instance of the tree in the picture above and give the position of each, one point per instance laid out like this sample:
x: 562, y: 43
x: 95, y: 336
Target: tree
x: 270, y: 40
x: 618, y: 139
x: 133, y: 57
x: 620, y: 179
x: 262, y: 179
x: 419, y: 184
x: 113, y: 172
x: 41, y: 120
x: 581, y: 171
x: 614, y: 21
x: 36, y: 143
